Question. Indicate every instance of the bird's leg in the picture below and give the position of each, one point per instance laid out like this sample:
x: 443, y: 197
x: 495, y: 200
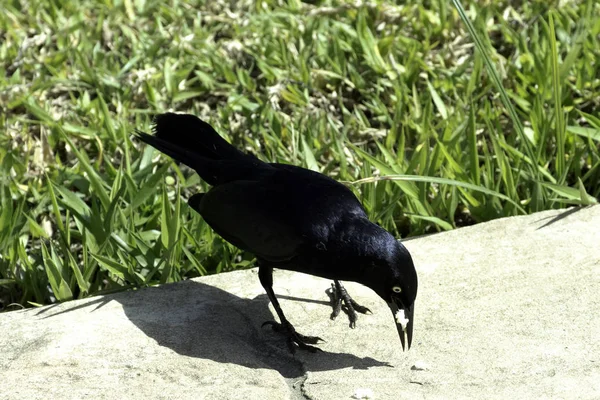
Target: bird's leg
x: 339, y: 295
x: 265, y: 275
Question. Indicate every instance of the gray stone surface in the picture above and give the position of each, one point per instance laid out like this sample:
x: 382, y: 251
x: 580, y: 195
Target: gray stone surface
x: 506, y: 309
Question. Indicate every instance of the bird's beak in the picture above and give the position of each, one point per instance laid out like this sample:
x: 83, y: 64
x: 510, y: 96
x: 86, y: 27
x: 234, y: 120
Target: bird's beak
x: 403, y: 317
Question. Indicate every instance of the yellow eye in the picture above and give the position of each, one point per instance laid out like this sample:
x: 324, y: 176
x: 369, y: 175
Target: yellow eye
x: 397, y: 289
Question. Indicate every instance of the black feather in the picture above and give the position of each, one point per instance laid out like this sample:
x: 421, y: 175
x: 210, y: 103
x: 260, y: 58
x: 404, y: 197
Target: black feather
x: 190, y: 132
x: 195, y: 143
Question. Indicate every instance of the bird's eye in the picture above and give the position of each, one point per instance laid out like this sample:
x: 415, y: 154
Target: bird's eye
x: 397, y: 289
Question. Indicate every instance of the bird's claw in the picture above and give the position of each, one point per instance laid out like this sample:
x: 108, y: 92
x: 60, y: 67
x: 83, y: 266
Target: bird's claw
x: 295, y: 339
x: 339, y: 295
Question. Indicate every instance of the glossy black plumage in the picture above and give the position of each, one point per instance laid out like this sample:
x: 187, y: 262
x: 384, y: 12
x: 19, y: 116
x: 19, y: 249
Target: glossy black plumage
x: 290, y: 218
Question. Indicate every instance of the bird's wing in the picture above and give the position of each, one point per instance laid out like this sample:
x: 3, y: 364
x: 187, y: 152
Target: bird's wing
x: 322, y: 203
x: 276, y: 212
x: 251, y: 216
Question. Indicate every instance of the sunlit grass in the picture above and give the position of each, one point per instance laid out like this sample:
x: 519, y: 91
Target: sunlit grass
x: 437, y: 117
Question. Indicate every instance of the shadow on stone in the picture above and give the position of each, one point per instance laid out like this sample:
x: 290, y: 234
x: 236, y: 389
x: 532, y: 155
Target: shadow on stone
x: 556, y: 218
x: 197, y: 320
x: 300, y: 299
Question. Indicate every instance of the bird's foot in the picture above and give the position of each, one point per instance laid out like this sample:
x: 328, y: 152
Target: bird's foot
x: 339, y: 295
x: 295, y: 339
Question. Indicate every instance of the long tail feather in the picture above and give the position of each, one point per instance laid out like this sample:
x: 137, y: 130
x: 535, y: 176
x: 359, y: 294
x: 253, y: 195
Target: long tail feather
x: 195, y: 143
x: 190, y: 132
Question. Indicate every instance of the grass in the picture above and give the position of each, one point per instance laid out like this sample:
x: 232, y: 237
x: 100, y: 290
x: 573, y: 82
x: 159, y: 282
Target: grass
x: 437, y: 114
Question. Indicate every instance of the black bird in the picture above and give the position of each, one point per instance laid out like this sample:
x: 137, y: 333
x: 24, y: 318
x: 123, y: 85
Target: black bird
x: 291, y: 218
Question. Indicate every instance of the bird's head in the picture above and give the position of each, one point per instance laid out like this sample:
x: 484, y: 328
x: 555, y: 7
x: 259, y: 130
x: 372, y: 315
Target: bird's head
x: 395, y: 281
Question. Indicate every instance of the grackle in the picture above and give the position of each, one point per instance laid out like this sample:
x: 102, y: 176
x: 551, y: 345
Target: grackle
x: 291, y: 218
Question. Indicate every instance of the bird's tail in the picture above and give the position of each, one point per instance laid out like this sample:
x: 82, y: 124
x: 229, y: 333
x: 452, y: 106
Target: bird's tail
x: 189, y: 140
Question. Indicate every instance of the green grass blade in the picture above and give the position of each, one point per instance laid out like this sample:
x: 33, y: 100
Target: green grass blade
x: 440, y: 181
x: 95, y: 181
x: 59, y: 286
x: 559, y: 124
x: 573, y: 195
x: 493, y: 73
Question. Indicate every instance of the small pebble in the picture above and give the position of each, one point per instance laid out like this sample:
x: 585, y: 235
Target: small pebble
x: 420, y: 366
x: 363, y: 394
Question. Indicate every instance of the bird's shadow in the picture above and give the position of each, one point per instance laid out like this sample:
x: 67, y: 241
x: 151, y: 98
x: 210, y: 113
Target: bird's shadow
x: 199, y: 320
